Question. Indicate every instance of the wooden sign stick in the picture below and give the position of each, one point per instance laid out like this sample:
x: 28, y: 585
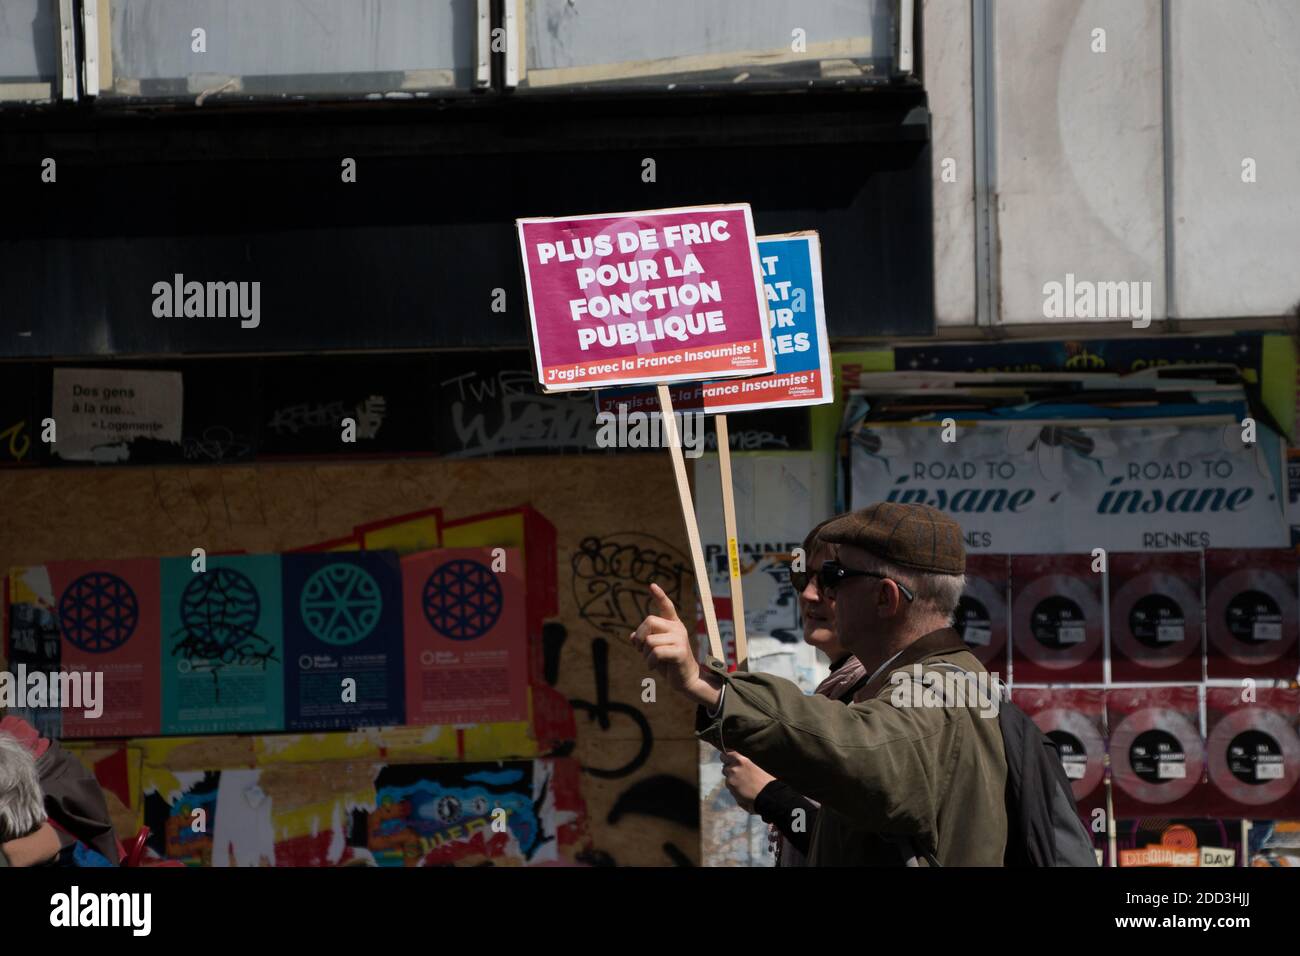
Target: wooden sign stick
x: 692, y: 529
x: 733, y: 544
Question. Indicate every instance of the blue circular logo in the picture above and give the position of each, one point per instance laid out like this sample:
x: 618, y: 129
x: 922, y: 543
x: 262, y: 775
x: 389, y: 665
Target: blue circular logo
x: 341, y: 604
x: 462, y: 600
x: 98, y: 612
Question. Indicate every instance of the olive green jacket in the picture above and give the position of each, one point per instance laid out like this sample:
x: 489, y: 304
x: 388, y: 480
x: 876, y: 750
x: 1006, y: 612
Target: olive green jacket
x: 894, y: 782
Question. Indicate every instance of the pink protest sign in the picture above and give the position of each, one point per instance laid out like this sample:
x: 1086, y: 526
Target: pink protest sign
x: 645, y: 297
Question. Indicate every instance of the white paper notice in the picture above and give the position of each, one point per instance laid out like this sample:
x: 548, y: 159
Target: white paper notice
x: 98, y: 412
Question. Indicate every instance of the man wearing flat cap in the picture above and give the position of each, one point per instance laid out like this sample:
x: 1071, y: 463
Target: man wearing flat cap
x: 902, y: 779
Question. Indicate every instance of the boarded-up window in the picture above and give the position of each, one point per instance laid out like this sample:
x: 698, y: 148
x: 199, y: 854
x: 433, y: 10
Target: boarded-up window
x: 687, y: 42
x: 317, y: 48
x: 29, y: 49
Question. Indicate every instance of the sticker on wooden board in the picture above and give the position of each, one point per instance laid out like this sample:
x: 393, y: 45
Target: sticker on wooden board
x: 465, y: 637
x: 342, y: 619
x: 792, y: 286
x: 223, y: 646
x: 664, y: 295
x: 108, y: 625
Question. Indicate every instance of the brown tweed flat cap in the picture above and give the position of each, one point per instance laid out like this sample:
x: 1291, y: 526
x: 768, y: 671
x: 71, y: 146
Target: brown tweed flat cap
x: 910, y: 536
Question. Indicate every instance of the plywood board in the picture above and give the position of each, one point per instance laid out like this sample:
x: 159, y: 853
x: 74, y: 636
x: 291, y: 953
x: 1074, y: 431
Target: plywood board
x: 617, y: 527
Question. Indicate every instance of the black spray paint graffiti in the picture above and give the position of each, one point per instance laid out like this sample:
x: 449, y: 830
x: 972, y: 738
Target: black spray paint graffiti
x: 219, y: 614
x: 612, y: 578
x: 602, y: 710
x: 663, y: 796
x: 218, y: 443
x: 611, y: 585
x: 747, y: 440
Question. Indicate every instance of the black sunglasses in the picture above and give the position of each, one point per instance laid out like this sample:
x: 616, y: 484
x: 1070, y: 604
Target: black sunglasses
x: 832, y: 573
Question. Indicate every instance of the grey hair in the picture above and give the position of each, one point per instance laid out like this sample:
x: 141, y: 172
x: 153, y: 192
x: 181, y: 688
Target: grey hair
x: 936, y: 593
x: 22, y: 807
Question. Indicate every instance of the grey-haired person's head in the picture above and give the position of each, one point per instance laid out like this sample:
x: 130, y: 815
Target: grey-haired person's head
x: 22, y: 807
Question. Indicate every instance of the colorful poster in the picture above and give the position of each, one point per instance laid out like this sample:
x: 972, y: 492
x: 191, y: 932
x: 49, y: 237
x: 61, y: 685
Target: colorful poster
x: 466, y: 646
x: 223, y: 645
x: 342, y: 640
x: 1160, y: 841
x: 109, y: 630
x: 375, y: 813
x: 431, y: 814
x: 33, y: 643
x: 180, y: 811
x: 792, y: 285
x: 643, y: 297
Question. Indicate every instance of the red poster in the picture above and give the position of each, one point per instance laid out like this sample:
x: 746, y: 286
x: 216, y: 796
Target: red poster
x: 1155, y: 617
x: 1254, y: 751
x: 1057, y: 623
x: 1074, y: 720
x: 1251, y: 616
x: 981, y: 617
x: 1157, y: 753
x: 465, y: 636
x: 109, y: 630
x: 525, y: 527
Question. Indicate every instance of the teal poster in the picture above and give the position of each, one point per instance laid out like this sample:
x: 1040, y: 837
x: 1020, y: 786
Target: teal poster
x: 223, y: 645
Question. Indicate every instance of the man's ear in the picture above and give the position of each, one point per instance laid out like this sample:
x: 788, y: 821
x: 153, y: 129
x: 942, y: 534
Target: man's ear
x: 890, y: 600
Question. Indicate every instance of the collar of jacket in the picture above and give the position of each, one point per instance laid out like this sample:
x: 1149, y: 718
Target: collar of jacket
x: 936, y: 643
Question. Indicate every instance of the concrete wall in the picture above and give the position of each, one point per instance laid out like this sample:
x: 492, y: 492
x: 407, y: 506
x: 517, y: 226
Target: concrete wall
x: 947, y: 33
x: 1080, y: 159
x: 1236, y: 95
